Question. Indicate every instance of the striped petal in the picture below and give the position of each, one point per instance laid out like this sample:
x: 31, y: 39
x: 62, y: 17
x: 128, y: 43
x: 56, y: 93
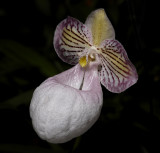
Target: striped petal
x: 71, y: 39
x: 117, y: 73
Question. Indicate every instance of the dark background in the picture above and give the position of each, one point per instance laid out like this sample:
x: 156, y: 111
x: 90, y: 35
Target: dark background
x: 129, y: 122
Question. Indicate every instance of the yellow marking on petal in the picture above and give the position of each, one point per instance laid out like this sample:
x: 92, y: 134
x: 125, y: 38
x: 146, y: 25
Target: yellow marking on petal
x: 101, y: 27
x: 117, y: 60
x: 117, y: 64
x: 98, y: 27
x: 75, y: 37
x: 69, y: 35
x: 83, y: 61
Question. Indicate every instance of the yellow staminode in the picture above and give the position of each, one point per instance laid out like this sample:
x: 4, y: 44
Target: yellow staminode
x: 83, y: 61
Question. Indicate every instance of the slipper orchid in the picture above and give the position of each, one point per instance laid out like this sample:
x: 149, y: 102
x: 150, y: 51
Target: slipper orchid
x: 68, y: 104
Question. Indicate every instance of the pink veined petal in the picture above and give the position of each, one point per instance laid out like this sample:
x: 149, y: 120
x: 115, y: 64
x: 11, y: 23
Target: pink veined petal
x: 71, y: 38
x: 60, y: 111
x: 117, y: 73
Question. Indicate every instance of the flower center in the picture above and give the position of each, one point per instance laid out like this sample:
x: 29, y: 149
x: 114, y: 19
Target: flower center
x: 90, y: 56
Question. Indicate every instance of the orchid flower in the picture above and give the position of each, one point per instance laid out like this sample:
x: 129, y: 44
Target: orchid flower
x: 68, y: 104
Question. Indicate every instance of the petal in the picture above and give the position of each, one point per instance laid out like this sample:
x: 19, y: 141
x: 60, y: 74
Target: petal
x: 117, y: 73
x: 100, y: 26
x: 70, y: 39
x: 60, y: 111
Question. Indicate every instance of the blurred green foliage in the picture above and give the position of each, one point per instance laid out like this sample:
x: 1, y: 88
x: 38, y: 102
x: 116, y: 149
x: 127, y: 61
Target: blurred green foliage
x: 129, y: 122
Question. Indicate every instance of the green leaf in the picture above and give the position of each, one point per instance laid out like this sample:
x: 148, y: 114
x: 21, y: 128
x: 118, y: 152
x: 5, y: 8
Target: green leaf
x: 18, y: 55
x: 14, y: 102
